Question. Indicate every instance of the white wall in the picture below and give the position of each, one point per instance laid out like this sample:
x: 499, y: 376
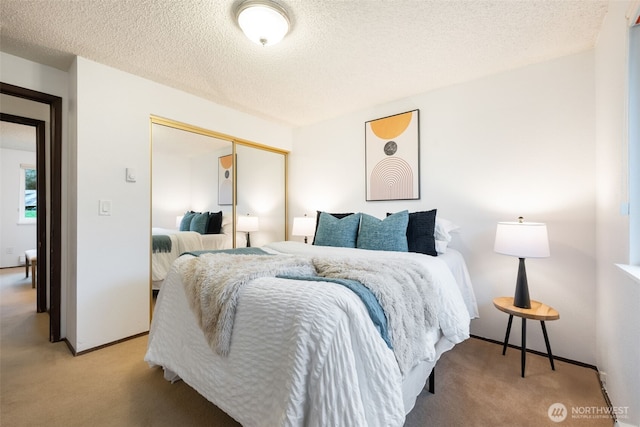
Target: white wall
x: 517, y: 143
x: 15, y: 237
x: 111, y: 132
x: 618, y: 295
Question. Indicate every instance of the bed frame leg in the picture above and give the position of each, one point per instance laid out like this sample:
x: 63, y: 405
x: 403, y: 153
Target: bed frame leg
x: 432, y: 381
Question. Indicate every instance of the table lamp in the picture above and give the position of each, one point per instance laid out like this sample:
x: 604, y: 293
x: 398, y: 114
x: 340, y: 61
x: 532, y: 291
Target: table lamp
x: 304, y: 226
x: 247, y: 224
x: 523, y: 240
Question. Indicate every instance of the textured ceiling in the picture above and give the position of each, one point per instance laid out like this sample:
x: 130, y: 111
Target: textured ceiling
x: 340, y: 55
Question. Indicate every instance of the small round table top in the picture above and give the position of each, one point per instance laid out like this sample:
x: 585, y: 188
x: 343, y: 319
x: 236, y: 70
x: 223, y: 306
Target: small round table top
x: 538, y: 310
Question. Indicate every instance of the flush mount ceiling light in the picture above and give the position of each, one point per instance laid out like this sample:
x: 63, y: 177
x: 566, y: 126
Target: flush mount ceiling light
x: 262, y: 21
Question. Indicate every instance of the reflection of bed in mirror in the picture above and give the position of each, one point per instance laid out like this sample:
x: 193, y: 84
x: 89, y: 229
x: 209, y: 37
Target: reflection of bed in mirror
x: 188, y: 172
x: 169, y: 244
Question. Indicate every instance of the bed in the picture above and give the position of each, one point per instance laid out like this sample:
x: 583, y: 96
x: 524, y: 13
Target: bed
x: 306, y: 352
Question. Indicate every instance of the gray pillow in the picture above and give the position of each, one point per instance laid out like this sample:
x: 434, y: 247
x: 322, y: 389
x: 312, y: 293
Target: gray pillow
x: 389, y: 234
x: 341, y: 232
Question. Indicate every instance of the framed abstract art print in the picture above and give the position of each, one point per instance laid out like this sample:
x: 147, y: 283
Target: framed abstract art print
x: 225, y: 180
x: 392, y: 157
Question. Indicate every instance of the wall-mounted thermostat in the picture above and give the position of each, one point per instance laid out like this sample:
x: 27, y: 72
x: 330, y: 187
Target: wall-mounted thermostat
x: 131, y: 175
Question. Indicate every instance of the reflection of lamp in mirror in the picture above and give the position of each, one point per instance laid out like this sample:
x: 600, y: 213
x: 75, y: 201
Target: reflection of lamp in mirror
x: 523, y: 240
x: 304, y: 226
x: 247, y: 224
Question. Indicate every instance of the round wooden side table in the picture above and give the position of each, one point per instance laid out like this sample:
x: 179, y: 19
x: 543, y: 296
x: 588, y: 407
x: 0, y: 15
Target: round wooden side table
x: 538, y: 311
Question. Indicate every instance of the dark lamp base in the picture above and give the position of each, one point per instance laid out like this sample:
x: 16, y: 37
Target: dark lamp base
x: 521, y: 297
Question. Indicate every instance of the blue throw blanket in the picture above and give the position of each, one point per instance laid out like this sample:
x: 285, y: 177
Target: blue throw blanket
x: 236, y: 251
x: 368, y: 298
x: 161, y: 243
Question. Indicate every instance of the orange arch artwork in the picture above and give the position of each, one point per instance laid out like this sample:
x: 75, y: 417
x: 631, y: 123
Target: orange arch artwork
x: 225, y: 180
x: 392, y: 157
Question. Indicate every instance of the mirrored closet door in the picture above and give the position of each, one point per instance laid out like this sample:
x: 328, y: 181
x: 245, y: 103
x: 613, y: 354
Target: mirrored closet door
x: 223, y: 188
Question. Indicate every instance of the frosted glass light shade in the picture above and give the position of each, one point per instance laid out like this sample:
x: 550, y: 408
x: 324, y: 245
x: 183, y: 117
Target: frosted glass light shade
x: 263, y: 22
x: 303, y: 226
x: 247, y: 223
x: 522, y: 239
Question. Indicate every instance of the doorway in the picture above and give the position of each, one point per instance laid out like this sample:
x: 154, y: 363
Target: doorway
x: 49, y: 234
x: 28, y: 205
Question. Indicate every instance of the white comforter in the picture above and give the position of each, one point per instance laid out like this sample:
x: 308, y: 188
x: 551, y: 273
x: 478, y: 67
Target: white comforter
x: 302, y: 353
x: 183, y: 241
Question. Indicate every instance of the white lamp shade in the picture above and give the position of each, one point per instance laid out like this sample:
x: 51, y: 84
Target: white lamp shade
x: 263, y: 22
x: 303, y: 226
x: 522, y: 239
x: 247, y: 223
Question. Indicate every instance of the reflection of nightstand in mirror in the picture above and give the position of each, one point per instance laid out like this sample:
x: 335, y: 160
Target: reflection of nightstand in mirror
x: 538, y: 311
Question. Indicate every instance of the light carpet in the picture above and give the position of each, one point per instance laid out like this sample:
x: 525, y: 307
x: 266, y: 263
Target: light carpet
x: 41, y: 383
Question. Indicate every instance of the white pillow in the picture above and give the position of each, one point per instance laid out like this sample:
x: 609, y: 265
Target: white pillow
x: 441, y: 246
x: 227, y: 224
x: 442, y: 229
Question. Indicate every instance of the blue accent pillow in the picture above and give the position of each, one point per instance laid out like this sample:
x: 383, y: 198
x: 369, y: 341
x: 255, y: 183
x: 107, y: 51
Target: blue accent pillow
x: 199, y: 222
x: 389, y: 234
x: 421, y: 231
x: 337, y: 215
x: 333, y: 231
x: 185, y: 224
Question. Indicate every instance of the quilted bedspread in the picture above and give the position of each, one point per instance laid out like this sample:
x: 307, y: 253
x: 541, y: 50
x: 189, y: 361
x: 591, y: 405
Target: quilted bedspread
x: 302, y: 353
